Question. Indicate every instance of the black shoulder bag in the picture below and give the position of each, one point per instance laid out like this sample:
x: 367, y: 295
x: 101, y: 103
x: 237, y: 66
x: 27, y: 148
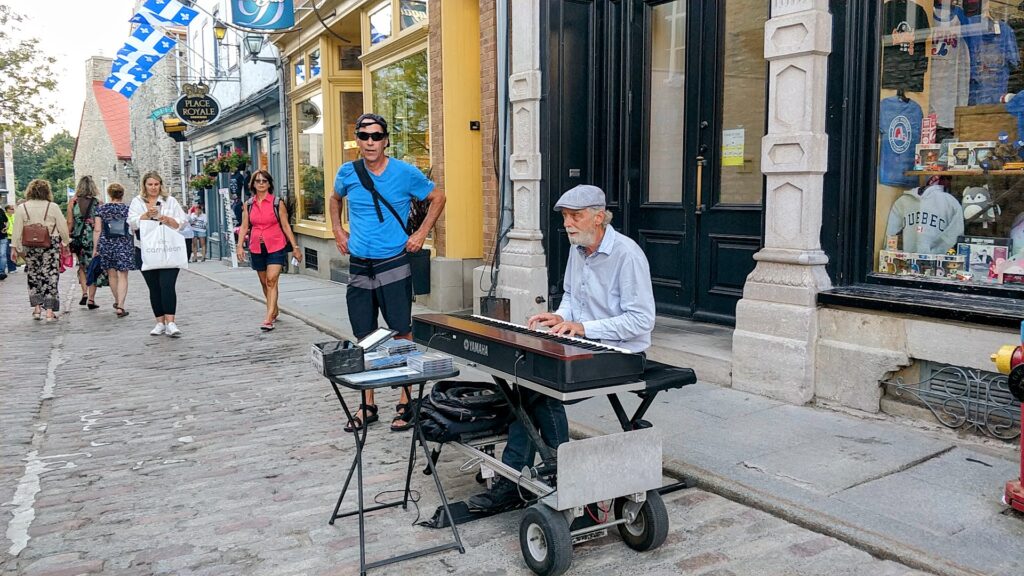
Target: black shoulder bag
x: 367, y: 182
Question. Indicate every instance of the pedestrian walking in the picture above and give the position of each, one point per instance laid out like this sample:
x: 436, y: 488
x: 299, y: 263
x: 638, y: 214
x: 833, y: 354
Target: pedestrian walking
x: 40, y: 232
x: 112, y: 244
x: 380, y: 191
x: 5, y: 242
x: 154, y: 204
x: 80, y: 216
x: 266, y: 232
x: 189, y: 235
x: 12, y: 262
x: 199, y: 222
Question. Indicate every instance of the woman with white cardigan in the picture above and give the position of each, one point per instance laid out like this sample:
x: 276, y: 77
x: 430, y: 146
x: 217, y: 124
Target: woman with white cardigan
x: 154, y: 203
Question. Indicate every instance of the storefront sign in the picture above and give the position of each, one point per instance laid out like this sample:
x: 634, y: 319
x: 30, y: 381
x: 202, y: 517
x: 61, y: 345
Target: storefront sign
x: 196, y: 107
x: 263, y: 14
x: 229, y: 224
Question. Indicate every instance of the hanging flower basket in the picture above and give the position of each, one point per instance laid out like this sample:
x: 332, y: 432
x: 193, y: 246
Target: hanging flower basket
x: 202, y: 182
x: 235, y: 159
x: 211, y: 168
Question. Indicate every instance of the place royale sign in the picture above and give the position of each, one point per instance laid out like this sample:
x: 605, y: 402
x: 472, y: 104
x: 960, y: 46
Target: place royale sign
x: 196, y: 107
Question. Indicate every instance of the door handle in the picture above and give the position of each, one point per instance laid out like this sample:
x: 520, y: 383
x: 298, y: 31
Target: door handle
x: 700, y: 186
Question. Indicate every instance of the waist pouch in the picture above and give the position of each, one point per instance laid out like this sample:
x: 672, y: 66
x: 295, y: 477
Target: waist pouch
x: 455, y: 409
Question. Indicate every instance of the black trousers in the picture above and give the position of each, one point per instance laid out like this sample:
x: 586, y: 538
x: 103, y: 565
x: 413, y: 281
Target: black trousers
x: 162, y: 296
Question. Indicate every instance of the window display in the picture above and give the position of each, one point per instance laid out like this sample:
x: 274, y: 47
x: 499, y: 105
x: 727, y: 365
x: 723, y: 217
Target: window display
x: 950, y: 189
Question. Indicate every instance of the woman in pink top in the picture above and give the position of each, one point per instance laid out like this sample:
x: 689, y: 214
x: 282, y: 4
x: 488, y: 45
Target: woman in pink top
x: 269, y: 237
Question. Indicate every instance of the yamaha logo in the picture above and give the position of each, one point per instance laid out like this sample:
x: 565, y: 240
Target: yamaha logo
x: 474, y: 347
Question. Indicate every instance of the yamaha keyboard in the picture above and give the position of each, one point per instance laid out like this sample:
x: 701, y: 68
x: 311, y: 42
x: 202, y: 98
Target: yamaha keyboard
x: 565, y: 364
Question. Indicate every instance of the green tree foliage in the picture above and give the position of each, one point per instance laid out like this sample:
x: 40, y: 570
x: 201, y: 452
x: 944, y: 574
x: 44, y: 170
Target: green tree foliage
x: 25, y: 75
x: 51, y: 160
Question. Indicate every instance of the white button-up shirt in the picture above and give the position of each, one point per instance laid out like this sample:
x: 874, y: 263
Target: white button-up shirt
x: 610, y: 292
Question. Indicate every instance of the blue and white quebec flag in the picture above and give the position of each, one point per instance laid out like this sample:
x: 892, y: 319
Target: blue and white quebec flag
x: 166, y: 11
x: 147, y: 44
x: 263, y: 14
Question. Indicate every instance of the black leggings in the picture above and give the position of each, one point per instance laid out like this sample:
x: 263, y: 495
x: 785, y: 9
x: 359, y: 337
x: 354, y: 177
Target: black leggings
x: 162, y: 297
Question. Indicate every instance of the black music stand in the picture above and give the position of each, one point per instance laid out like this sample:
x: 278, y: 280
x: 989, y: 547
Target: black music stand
x: 357, y: 465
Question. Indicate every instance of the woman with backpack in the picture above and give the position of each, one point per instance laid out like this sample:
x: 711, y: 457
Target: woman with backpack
x: 39, y: 233
x: 81, y: 211
x: 112, y: 244
x: 266, y: 230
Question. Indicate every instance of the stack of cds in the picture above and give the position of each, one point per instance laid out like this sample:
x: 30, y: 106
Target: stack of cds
x: 379, y: 359
x: 431, y: 363
x: 397, y: 347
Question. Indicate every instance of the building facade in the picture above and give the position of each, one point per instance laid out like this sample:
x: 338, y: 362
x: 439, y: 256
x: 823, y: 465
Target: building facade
x: 846, y: 198
x: 103, y: 148
x: 422, y: 66
x: 249, y: 94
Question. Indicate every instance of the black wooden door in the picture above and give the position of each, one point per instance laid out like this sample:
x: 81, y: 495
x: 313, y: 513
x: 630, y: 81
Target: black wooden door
x: 661, y: 104
x: 698, y: 81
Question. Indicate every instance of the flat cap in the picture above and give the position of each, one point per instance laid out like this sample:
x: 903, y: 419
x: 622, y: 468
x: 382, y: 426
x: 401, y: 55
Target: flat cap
x: 582, y: 196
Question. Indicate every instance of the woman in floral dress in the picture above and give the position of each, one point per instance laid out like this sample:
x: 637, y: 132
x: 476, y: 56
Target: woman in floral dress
x: 114, y: 248
x: 41, y: 264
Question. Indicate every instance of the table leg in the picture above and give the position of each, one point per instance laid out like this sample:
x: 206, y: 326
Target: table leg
x: 352, y: 468
x: 412, y: 448
x: 418, y: 434
x: 359, y: 480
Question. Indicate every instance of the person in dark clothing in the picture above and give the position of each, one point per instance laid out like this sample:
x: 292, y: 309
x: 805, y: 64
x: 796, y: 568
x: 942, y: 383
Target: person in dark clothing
x: 5, y: 245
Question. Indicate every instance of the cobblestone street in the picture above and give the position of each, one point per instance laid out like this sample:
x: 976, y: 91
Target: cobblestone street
x: 223, y: 453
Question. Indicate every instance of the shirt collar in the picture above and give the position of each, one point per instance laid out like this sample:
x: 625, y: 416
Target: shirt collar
x: 607, y: 243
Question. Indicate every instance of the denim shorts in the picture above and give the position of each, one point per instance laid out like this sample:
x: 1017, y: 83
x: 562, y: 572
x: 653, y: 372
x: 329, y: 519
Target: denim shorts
x: 259, y: 262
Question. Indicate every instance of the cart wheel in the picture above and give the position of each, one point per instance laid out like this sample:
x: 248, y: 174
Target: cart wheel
x: 545, y: 540
x: 650, y: 527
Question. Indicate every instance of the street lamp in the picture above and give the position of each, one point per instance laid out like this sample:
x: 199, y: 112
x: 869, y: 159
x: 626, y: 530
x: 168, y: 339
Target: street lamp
x: 254, y: 44
x: 220, y: 29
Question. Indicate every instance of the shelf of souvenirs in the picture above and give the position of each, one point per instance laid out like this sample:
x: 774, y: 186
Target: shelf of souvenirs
x: 966, y: 172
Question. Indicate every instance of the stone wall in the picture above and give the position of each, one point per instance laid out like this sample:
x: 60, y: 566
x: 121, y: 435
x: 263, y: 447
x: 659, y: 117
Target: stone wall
x: 94, y: 151
x: 152, y: 148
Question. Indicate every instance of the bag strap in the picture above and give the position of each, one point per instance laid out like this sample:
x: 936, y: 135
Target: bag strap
x: 277, y: 213
x: 367, y: 182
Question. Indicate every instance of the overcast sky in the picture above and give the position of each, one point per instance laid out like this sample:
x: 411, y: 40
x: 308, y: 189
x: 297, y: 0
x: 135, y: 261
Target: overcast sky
x: 71, y: 31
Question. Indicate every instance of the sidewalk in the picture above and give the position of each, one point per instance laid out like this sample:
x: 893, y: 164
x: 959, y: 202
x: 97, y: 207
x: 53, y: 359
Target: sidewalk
x: 901, y: 490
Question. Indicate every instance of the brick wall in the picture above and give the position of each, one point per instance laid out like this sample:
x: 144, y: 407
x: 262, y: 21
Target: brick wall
x: 436, y: 115
x: 488, y: 108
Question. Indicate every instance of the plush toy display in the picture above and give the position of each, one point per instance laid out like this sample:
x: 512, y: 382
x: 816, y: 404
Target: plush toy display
x: 978, y: 206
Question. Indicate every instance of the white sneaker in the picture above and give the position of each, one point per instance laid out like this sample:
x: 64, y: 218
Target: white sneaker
x: 172, y: 330
x: 158, y: 330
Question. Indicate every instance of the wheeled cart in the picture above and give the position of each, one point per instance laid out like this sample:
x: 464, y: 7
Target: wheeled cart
x: 624, y: 467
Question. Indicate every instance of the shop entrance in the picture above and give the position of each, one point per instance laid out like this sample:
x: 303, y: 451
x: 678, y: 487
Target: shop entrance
x: 663, y: 105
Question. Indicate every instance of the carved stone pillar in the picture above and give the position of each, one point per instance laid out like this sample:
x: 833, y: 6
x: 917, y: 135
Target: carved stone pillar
x: 524, y: 276
x: 777, y: 320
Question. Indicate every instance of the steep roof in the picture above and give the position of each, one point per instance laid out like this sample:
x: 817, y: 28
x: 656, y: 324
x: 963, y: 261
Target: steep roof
x: 114, y: 109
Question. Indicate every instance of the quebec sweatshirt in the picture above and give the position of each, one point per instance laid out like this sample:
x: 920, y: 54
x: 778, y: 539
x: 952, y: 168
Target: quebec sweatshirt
x: 930, y: 220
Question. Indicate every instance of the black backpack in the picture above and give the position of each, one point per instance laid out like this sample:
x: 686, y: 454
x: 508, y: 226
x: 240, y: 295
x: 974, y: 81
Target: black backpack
x: 116, y: 228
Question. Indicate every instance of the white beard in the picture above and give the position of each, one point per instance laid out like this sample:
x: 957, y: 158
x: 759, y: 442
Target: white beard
x: 581, y: 238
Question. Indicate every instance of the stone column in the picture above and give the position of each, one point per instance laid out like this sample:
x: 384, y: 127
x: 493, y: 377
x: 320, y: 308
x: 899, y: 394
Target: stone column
x: 777, y: 321
x: 523, y: 275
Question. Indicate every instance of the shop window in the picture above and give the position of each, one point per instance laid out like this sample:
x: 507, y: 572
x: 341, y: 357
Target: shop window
x: 413, y: 12
x: 380, y: 23
x: 314, y: 64
x: 310, y: 127
x: 348, y: 57
x: 300, y: 70
x: 400, y: 95
x: 950, y: 179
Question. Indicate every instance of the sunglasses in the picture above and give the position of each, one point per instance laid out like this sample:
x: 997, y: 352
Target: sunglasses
x: 261, y: 181
x: 375, y: 136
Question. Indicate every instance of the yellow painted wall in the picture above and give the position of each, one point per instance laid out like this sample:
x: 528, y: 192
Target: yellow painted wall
x: 460, y: 53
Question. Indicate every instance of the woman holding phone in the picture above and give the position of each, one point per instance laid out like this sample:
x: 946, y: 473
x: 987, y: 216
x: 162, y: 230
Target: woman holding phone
x: 154, y: 203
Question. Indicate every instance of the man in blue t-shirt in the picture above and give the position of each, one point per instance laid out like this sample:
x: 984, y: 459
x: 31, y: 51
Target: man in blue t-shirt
x: 380, y: 279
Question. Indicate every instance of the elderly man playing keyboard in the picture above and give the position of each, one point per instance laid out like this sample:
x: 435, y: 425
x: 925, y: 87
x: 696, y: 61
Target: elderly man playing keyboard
x: 608, y: 298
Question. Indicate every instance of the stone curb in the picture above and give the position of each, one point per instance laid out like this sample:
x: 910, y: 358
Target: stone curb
x: 878, y: 545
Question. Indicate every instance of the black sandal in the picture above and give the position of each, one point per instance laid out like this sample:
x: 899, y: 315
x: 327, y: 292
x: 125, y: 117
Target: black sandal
x: 369, y: 417
x: 93, y: 305
x: 403, y: 414
x: 83, y: 301
x: 121, y: 312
